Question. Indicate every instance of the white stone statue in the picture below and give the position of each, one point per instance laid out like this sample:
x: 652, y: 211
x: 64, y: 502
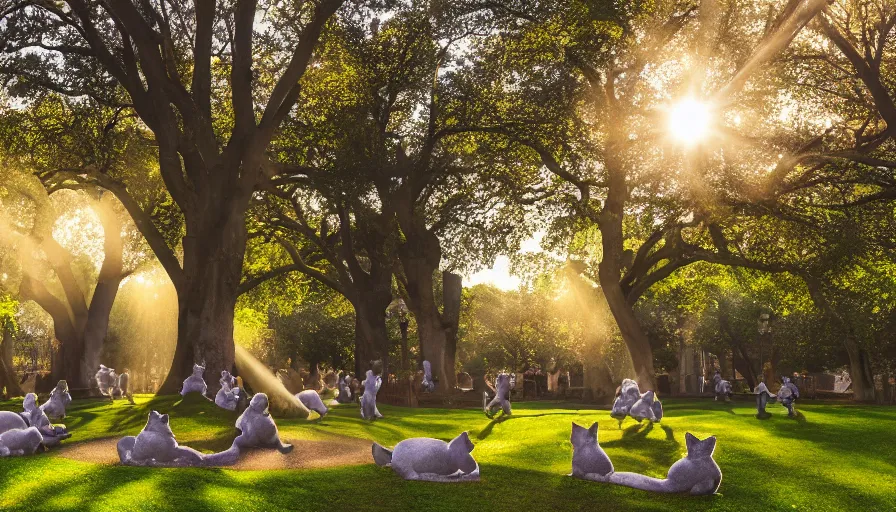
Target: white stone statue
x: 11, y: 421
x: 229, y: 395
x: 311, y: 399
x: 626, y: 397
x: 428, y: 385
x: 431, y: 460
x: 155, y: 446
x: 696, y: 474
x: 345, y: 395
x: 195, y: 383
x: 589, y: 460
x: 19, y: 441
x: 372, y: 385
x: 763, y: 397
x: 647, y: 408
x: 257, y: 428
x: 502, y: 397
x: 35, y: 417
x: 107, y: 381
x: 58, y: 401
x: 722, y: 387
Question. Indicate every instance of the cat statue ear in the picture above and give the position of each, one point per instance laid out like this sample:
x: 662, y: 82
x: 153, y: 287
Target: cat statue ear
x: 461, y: 442
x: 698, y: 448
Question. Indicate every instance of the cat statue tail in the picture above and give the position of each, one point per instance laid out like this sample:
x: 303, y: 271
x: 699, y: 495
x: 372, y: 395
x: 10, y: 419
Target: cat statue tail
x: 637, y: 481
x: 382, y: 456
x: 228, y: 457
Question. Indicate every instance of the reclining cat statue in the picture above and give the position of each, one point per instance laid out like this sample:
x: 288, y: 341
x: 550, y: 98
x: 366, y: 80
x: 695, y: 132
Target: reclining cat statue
x: 58, y: 401
x: 696, y: 474
x: 20, y: 441
x: 257, y: 428
x: 372, y: 385
x: 229, y: 395
x: 311, y: 399
x: 589, y: 460
x: 155, y: 446
x: 501, y: 399
x: 345, y: 395
x: 35, y: 417
x: 195, y: 383
x: 430, y: 460
x: 428, y: 385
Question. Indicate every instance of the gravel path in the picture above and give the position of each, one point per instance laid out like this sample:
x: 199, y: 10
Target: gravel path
x: 342, y: 451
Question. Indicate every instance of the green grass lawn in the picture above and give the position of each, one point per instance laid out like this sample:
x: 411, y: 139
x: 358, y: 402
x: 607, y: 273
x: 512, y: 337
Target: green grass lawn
x: 835, y: 457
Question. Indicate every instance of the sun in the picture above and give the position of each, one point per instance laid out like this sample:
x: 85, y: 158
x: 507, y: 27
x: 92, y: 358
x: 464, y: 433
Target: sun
x: 689, y: 121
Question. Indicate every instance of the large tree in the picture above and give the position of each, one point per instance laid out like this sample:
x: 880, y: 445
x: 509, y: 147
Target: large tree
x: 212, y: 82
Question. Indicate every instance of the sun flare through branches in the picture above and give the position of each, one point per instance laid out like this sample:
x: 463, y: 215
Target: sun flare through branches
x: 689, y: 121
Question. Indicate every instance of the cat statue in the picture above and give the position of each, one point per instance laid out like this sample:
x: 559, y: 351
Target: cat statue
x: 229, y: 395
x: 696, y: 474
x: 195, y: 383
x: 311, y: 399
x: 626, y: 397
x: 502, y: 397
x: 257, y: 428
x: 345, y: 395
x: 20, y: 441
x: 12, y: 421
x: 763, y: 396
x: 35, y: 417
x: 788, y: 394
x: 589, y: 460
x: 647, y: 408
x: 58, y: 401
x: 156, y: 446
x: 372, y: 385
x: 428, y: 385
x: 430, y: 460
x: 722, y: 387
x: 107, y: 381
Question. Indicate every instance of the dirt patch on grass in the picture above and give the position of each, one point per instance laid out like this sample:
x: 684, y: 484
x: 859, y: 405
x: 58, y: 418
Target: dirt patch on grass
x: 338, y: 451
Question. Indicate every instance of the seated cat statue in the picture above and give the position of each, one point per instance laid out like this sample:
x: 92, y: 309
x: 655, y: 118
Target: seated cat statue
x: 627, y: 395
x: 311, y: 399
x: 722, y: 387
x: 430, y: 460
x: 35, y: 417
x: 647, y: 408
x: 589, y: 461
x: 372, y: 385
x: 155, y: 446
x: 195, y: 383
x: 502, y: 397
x: 763, y: 395
x: 20, y: 441
x: 257, y: 428
x: 788, y: 394
x: 229, y: 395
x: 428, y: 385
x: 696, y: 474
x: 106, y: 381
x: 345, y: 390
x: 59, y: 400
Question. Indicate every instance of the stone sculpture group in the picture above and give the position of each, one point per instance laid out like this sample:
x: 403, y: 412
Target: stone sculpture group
x: 630, y: 402
x: 697, y: 473
x: 26, y: 432
x: 228, y: 397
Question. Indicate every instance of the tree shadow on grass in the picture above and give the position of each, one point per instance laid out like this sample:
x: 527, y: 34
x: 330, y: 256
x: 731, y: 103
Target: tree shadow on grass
x: 487, y: 431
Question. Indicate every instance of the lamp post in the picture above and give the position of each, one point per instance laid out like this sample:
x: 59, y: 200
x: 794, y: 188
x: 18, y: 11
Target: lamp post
x: 764, y: 328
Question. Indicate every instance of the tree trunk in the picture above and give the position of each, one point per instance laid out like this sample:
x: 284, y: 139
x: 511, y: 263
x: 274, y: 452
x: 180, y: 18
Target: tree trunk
x: 452, y: 289
x: 637, y: 342
x: 860, y: 372
x: 8, y: 378
x: 213, y: 264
